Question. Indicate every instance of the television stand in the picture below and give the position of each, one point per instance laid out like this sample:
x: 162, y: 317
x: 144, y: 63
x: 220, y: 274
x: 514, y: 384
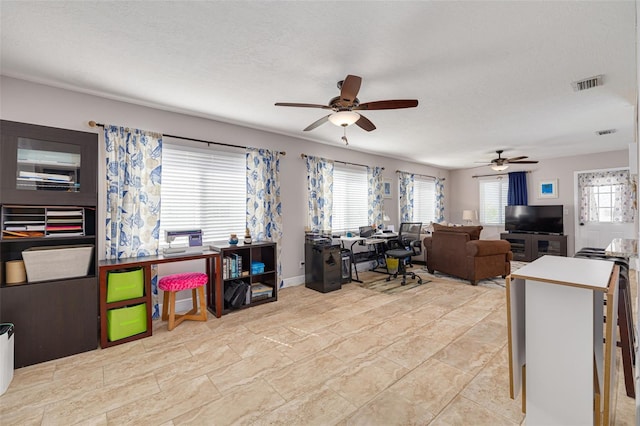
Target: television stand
x: 529, y: 247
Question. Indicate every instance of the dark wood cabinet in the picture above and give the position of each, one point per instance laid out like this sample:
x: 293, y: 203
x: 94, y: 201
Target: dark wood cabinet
x: 52, y: 319
x: 255, y: 264
x: 48, y: 201
x: 529, y: 247
x: 47, y: 165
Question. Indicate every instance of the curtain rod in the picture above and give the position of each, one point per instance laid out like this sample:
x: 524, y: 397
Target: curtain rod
x: 94, y: 124
x: 342, y: 162
x: 418, y: 174
x: 498, y: 174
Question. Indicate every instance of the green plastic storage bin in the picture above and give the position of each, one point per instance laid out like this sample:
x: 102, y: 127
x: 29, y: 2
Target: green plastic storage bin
x: 125, y: 285
x: 125, y: 322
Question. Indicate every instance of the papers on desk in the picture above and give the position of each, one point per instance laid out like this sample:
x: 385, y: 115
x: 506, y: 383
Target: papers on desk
x: 374, y: 240
x: 385, y: 235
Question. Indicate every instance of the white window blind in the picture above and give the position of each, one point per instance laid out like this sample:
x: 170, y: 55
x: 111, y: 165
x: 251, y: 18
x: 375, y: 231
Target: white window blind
x: 350, y: 199
x: 493, y: 199
x: 424, y: 200
x: 203, y: 189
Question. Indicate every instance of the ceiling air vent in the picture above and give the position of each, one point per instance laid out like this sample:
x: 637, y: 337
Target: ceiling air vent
x: 587, y: 83
x: 605, y: 132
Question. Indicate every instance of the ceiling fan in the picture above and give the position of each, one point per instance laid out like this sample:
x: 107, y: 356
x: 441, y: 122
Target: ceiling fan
x: 499, y: 164
x: 344, y: 107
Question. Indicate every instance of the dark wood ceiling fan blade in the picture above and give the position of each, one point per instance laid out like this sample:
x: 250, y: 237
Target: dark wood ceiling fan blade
x: 350, y: 89
x: 317, y: 123
x: 390, y: 104
x: 365, y: 124
x: 511, y: 160
x: 292, y: 104
x: 523, y: 162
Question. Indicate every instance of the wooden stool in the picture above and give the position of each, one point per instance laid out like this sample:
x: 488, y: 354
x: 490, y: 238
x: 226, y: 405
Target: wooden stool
x: 626, y: 330
x: 171, y: 284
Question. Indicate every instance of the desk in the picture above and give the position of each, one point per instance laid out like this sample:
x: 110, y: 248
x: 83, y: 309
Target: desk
x: 555, y: 326
x: 104, y: 266
x: 353, y: 241
x: 374, y: 240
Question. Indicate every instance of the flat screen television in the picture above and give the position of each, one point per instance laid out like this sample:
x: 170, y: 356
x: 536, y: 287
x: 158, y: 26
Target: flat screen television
x: 534, y: 219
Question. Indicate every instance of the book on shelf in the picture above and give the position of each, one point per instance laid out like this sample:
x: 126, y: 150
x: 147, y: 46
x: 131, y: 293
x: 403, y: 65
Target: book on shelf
x: 224, y: 268
x: 228, y: 267
x: 238, y: 260
x: 259, y: 290
x: 232, y: 266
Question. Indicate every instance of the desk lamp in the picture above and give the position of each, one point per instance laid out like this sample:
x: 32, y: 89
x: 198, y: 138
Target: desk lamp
x: 385, y: 219
x: 469, y: 216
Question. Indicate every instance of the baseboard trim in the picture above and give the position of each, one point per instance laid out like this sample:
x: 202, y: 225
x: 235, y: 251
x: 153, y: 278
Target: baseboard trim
x: 183, y: 305
x: 293, y: 281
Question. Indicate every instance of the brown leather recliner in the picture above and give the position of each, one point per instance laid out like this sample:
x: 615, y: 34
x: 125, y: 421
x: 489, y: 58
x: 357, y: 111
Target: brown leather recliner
x: 458, y: 251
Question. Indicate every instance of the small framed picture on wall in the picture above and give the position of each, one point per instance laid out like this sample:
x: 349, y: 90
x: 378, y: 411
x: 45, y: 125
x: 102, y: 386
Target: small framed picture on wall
x: 386, y: 188
x: 548, y: 188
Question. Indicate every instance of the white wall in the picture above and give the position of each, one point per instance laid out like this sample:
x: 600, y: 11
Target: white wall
x: 466, y: 195
x: 637, y: 234
x: 44, y: 105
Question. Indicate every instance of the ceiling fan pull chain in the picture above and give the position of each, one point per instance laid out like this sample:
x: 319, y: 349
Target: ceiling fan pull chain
x: 344, y: 138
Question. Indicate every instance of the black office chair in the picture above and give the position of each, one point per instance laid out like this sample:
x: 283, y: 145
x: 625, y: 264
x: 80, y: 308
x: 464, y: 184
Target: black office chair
x: 402, y: 248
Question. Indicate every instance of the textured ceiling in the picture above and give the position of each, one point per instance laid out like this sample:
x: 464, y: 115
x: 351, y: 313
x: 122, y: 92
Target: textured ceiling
x: 488, y: 75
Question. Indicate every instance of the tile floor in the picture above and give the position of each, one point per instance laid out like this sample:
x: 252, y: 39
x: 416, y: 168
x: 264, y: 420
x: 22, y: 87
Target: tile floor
x: 435, y: 354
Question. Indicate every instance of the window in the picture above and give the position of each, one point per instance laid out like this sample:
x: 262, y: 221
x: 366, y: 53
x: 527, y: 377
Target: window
x: 350, y: 198
x: 424, y: 200
x: 493, y: 199
x: 606, y: 196
x: 203, y: 189
x: 603, y: 197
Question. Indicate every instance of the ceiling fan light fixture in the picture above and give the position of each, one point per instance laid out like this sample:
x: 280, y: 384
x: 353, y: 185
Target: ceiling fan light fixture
x: 499, y: 168
x: 344, y: 118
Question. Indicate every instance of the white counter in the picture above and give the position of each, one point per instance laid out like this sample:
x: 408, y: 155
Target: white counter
x: 555, y: 322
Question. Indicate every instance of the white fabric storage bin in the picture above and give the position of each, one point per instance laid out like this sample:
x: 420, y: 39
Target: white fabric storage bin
x: 6, y: 356
x: 57, y: 262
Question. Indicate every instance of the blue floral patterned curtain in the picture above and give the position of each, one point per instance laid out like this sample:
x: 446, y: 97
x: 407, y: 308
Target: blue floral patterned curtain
x: 264, y: 209
x: 406, y: 196
x: 376, y: 193
x: 517, y: 194
x: 320, y: 193
x: 134, y: 169
x: 439, y: 200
